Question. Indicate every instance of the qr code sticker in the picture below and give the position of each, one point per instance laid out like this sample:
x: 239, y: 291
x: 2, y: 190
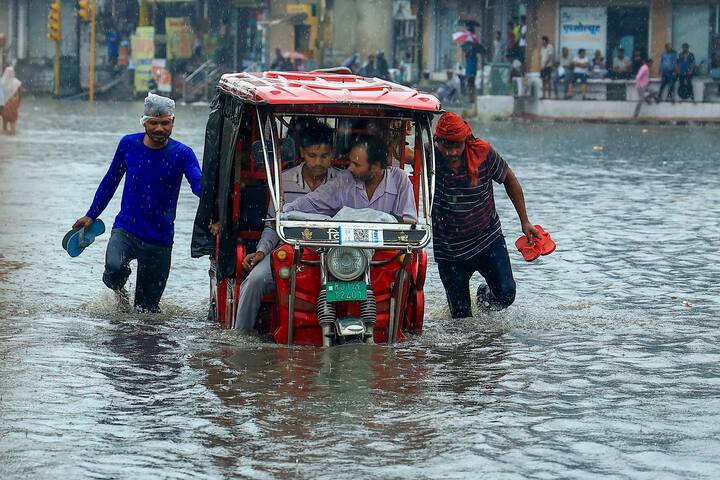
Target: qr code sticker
x: 362, y: 236
x: 358, y: 235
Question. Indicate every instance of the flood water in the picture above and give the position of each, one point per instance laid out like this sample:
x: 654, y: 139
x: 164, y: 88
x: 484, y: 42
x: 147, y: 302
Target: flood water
x: 607, y: 365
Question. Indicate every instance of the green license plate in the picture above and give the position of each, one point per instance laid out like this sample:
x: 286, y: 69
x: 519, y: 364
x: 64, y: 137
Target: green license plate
x: 346, y: 291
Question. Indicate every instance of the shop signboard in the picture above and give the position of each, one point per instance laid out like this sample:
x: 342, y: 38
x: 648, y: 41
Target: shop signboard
x: 143, y: 51
x: 583, y: 27
x: 161, y: 75
x: 180, y: 38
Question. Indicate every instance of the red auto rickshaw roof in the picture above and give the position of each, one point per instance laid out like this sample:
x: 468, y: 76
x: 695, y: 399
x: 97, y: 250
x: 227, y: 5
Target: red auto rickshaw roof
x: 314, y: 88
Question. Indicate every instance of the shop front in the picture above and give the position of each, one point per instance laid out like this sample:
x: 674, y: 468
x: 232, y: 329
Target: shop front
x: 605, y: 28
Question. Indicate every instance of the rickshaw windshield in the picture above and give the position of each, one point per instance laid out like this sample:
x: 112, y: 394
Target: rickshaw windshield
x: 342, y: 149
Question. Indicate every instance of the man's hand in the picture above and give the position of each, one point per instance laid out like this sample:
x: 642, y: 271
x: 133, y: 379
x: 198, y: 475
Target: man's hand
x: 251, y: 260
x: 83, y: 222
x: 531, y: 232
x: 214, y: 229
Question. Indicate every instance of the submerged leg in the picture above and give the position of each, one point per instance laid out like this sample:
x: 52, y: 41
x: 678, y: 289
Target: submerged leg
x: 120, y: 251
x: 259, y: 282
x: 455, y: 277
x: 495, y: 267
x: 152, y: 275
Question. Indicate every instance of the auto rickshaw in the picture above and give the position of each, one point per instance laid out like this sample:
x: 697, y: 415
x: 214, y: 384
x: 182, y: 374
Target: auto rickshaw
x: 337, y: 281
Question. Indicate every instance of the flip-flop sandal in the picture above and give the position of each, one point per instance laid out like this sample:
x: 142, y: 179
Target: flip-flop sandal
x: 530, y: 250
x: 77, y: 240
x: 547, y: 244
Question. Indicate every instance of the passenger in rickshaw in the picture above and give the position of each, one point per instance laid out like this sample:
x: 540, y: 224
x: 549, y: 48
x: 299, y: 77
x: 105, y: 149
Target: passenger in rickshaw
x: 367, y: 183
x: 317, y: 153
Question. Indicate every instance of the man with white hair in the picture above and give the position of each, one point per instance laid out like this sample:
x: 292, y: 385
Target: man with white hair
x: 144, y: 228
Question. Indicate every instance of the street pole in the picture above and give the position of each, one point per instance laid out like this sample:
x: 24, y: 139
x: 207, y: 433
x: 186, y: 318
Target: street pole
x: 56, y: 71
x: 91, y: 95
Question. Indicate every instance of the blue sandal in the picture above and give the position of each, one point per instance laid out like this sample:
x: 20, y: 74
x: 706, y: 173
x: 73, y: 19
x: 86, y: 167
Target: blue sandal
x: 77, y: 239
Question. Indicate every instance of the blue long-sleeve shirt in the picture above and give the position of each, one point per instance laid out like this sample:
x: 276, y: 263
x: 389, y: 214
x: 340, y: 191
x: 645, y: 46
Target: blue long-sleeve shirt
x: 151, y: 189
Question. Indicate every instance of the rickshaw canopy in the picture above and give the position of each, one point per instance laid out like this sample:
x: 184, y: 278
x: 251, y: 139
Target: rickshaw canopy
x: 317, y: 88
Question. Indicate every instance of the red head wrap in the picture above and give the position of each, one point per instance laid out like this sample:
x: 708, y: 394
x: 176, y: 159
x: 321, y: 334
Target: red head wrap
x: 453, y: 128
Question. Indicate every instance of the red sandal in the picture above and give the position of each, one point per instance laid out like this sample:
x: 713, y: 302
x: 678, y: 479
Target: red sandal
x: 532, y: 249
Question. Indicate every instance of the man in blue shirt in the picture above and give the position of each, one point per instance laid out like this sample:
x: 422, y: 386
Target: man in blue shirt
x: 686, y: 70
x: 144, y: 228
x: 668, y: 70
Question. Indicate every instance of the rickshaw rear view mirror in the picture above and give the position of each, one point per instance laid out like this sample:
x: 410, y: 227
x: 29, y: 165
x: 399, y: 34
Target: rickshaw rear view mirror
x: 258, y: 152
x: 287, y: 151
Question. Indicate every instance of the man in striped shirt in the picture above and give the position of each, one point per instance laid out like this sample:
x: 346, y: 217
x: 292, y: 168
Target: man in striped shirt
x: 467, y: 236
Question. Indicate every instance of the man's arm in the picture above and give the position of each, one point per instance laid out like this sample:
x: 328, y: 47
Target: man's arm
x: 515, y: 192
x: 192, y: 172
x: 109, y: 183
x: 326, y: 199
x: 269, y: 238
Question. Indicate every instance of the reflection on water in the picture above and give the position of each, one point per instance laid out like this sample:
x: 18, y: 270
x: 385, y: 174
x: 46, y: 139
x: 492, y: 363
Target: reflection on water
x: 607, y: 364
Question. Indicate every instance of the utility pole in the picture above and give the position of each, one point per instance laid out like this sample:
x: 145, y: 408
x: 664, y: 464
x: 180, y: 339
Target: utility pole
x: 92, y: 53
x: 86, y: 11
x: 55, y: 34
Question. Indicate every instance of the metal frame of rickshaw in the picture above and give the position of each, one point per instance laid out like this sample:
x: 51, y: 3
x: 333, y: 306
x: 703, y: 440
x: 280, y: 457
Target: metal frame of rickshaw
x: 424, y: 188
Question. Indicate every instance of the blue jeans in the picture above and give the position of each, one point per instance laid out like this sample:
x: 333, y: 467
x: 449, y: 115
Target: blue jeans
x: 493, y: 264
x: 668, y: 80
x: 153, y: 267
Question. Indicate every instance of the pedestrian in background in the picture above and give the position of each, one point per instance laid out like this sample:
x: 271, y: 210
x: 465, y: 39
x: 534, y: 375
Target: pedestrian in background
x: 2, y: 99
x: 382, y: 69
x: 642, y: 84
x: 686, y: 70
x: 467, y: 236
x: 12, y: 88
x: 522, y: 39
x: 581, y: 71
x: 599, y: 69
x: 668, y: 71
x: 144, y: 229
x: 498, y: 48
x: 567, y: 66
x: 547, y: 60
x: 369, y: 68
x: 511, y: 47
x: 471, y: 51
x: 621, y: 67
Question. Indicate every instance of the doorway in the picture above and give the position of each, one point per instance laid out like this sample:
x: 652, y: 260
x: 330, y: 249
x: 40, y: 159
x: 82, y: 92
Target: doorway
x: 627, y: 28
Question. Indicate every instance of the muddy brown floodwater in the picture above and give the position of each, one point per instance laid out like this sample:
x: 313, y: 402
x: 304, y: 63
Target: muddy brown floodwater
x: 607, y: 365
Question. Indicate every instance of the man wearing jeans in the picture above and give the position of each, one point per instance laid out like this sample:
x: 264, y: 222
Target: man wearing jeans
x: 155, y: 165
x: 668, y: 70
x: 467, y: 237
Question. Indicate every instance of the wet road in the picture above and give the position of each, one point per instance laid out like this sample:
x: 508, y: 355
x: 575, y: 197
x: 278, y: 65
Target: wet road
x: 607, y: 366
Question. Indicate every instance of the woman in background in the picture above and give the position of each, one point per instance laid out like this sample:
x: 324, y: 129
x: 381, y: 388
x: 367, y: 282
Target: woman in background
x: 11, y: 89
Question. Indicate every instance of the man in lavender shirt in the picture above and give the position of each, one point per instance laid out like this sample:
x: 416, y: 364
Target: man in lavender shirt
x: 367, y: 183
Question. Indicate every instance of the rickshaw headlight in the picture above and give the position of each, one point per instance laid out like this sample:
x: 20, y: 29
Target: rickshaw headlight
x: 346, y: 263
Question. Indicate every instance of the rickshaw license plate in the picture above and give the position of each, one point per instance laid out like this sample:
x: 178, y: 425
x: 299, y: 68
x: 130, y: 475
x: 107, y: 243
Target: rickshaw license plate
x: 346, y: 291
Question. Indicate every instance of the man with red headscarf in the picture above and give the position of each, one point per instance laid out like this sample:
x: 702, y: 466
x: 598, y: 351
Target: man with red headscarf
x: 467, y: 237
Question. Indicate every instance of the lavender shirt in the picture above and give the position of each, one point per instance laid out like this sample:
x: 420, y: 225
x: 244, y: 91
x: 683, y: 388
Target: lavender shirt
x: 294, y: 186
x: 394, y: 195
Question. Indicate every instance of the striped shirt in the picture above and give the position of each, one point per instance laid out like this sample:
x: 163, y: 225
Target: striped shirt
x: 465, y: 222
x: 293, y: 187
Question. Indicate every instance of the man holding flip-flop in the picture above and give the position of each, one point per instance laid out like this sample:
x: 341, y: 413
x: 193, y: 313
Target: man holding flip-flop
x: 467, y: 237
x: 144, y: 228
